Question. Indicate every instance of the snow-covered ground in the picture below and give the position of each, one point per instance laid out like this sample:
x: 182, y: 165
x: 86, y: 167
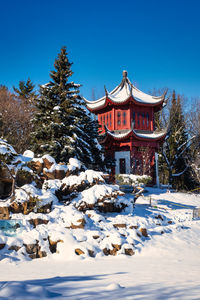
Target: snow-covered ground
x: 166, y: 265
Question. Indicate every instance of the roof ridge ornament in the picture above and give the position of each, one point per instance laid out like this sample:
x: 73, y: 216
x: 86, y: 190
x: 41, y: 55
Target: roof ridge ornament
x: 125, y: 74
x: 106, y: 92
x: 124, y: 79
x: 124, y: 92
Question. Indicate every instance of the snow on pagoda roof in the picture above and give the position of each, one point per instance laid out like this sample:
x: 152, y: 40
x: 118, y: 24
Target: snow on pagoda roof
x: 124, y: 91
x: 138, y: 135
x: 153, y: 135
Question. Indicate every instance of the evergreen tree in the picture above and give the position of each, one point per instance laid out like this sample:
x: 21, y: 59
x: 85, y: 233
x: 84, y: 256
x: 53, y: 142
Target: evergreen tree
x: 176, y: 147
x: 63, y: 128
x: 25, y: 90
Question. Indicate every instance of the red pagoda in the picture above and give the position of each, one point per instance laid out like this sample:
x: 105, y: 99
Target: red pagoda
x: 127, y: 129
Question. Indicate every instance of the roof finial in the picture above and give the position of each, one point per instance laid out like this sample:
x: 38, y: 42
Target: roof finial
x: 106, y: 92
x: 124, y: 73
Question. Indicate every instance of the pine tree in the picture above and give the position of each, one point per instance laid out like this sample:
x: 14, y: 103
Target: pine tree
x: 63, y: 128
x: 176, y: 147
x: 26, y: 90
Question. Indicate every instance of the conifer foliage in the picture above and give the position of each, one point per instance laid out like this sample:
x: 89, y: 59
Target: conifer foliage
x: 176, y: 148
x: 62, y: 127
x: 25, y: 90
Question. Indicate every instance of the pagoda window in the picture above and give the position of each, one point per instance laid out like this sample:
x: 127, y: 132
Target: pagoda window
x: 119, y: 118
x: 138, y: 119
x: 124, y: 118
x: 107, y: 119
x: 110, y: 119
x: 133, y: 119
x: 143, y: 120
x: 101, y: 123
x: 147, y: 120
x: 104, y: 120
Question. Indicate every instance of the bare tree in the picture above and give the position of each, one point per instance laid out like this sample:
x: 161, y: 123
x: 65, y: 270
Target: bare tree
x: 141, y: 164
x: 15, y: 120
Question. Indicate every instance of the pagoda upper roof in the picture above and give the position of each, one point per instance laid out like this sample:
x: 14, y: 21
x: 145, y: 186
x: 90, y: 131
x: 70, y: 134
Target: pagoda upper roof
x: 124, y: 92
x: 137, y: 134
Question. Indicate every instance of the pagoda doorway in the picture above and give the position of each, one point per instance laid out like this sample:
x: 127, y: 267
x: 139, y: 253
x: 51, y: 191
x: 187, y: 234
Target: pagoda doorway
x: 122, y: 160
x: 122, y: 166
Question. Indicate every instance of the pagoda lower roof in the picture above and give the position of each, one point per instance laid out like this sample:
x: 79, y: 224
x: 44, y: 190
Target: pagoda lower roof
x: 136, y: 134
x: 123, y: 93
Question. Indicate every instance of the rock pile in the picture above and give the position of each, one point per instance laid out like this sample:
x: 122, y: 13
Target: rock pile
x: 62, y: 206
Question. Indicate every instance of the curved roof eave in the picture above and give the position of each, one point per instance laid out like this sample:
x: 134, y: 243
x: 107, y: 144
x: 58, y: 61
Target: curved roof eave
x: 122, y: 93
x: 93, y: 106
x: 138, y: 136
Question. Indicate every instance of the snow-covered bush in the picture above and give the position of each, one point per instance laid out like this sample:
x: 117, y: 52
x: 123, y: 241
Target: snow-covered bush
x: 7, y: 152
x: 130, y: 179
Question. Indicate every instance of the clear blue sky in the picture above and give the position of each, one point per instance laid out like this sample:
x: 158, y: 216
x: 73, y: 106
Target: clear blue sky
x: 157, y: 42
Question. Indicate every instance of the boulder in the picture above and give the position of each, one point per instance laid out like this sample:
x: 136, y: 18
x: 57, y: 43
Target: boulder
x: 17, y: 208
x: 133, y: 227
x: 79, y: 251
x: 110, y: 206
x: 106, y: 251
x: 143, y: 232
x: 32, y: 248
x: 5, y: 175
x: 129, y: 251
x: 36, y: 165
x: 26, y: 207
x: 14, y: 247
x: 49, y: 174
x: 112, y: 251
x: 61, y: 171
x: 116, y: 246
x: 95, y: 237
x: 48, y: 161
x: 2, y: 245
x: 4, y: 213
x: 91, y: 253
x: 68, y: 192
x: 39, y: 254
x: 38, y: 221
x: 159, y: 217
x: 60, y: 174
x: 80, y: 225
x: 104, y: 205
x: 119, y: 225
x: 6, y: 181
x: 53, y: 245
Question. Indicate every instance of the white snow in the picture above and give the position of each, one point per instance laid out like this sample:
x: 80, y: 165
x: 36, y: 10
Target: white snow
x: 5, y: 148
x: 29, y: 154
x: 151, y: 135
x: 61, y: 167
x: 49, y: 158
x: 39, y: 159
x: 56, y: 107
x: 165, y: 265
x: 91, y: 195
x: 74, y: 163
